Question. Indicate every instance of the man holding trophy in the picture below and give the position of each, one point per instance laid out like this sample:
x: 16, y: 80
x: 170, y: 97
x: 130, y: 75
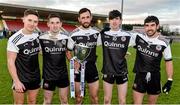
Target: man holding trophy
x: 86, y: 39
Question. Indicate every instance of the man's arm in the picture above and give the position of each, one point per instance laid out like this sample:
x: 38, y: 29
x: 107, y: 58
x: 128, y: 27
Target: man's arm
x: 169, y: 69
x: 11, y: 57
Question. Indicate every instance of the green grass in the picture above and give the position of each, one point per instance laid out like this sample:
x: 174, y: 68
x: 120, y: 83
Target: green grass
x: 173, y: 98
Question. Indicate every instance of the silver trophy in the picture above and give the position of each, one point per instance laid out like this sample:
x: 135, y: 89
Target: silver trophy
x: 81, y: 52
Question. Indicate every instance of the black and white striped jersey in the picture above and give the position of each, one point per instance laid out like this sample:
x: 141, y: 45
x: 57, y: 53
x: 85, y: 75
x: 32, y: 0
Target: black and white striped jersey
x: 88, y: 37
x: 54, y: 54
x: 27, y: 48
x: 150, y: 52
x: 115, y: 45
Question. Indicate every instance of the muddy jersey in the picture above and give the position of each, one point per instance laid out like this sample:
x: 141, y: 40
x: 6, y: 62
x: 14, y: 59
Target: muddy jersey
x: 27, y: 48
x: 54, y: 55
x: 149, y: 52
x: 115, y: 45
x: 88, y: 37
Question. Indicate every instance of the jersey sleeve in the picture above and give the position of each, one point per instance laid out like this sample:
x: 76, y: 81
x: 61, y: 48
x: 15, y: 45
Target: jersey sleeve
x: 167, y: 53
x: 70, y: 44
x: 132, y: 41
x: 12, y: 47
x: 99, y: 41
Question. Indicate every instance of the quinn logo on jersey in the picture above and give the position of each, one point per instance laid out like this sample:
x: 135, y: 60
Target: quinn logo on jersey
x: 31, y: 51
x: 54, y: 49
x: 89, y: 44
x: 113, y: 44
x: 146, y: 51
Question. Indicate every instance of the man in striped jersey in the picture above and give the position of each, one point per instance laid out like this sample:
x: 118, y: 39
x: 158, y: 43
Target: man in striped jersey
x: 22, y: 57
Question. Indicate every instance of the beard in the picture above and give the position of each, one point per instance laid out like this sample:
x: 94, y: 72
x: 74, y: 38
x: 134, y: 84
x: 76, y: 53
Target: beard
x: 85, y: 25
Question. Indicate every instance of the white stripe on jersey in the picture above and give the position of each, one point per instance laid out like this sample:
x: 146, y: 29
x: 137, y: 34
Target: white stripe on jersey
x: 19, y: 38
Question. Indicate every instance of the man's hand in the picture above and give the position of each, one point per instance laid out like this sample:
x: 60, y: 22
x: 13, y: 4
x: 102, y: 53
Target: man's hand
x: 19, y: 87
x: 167, y: 87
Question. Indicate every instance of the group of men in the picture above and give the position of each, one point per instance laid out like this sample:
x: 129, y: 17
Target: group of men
x: 23, y: 48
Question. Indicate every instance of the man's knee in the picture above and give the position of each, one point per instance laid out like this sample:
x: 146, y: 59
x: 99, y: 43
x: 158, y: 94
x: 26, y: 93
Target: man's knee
x: 64, y: 100
x: 94, y: 99
x: 31, y: 101
x: 78, y: 99
x: 107, y: 100
x: 122, y: 101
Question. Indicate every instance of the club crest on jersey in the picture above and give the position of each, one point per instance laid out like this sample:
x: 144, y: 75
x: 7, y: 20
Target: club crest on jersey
x: 63, y: 41
x: 158, y: 47
x: 114, y: 38
x: 95, y: 36
x: 123, y: 38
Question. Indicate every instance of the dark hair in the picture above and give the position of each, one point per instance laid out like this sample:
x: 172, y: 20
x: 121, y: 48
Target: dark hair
x: 151, y: 19
x: 31, y: 12
x: 114, y: 13
x: 83, y: 10
x: 54, y: 15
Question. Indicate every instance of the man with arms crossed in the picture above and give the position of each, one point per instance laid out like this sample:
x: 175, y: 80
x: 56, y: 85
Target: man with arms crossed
x: 150, y: 47
x: 54, y: 44
x: 115, y: 44
x: 22, y: 55
x: 87, y: 36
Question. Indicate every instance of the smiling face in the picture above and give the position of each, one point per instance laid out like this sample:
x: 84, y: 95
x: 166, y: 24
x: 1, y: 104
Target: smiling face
x: 115, y: 23
x: 54, y: 25
x: 85, y: 19
x: 30, y: 22
x: 151, y: 28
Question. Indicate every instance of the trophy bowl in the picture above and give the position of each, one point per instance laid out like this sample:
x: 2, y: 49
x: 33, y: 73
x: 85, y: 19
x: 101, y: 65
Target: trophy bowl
x: 81, y: 52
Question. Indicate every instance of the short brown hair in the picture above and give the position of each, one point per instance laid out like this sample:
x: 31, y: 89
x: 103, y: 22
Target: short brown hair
x: 83, y: 10
x: 31, y: 12
x: 54, y: 15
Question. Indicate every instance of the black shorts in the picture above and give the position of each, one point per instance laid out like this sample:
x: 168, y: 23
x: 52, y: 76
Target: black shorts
x: 151, y: 87
x: 91, y: 73
x: 119, y: 79
x: 30, y: 85
x: 51, y: 84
